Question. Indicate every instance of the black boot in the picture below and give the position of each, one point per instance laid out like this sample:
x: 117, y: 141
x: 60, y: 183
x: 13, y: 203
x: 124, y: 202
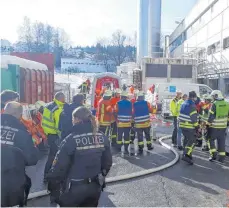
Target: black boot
x: 205, y: 148
x: 213, y: 157
x: 180, y: 148
x: 140, y: 150
x: 150, y: 147
x: 126, y: 151
x: 221, y: 158
x: 187, y: 159
x: 199, y: 143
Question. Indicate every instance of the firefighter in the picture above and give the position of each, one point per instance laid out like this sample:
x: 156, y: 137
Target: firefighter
x: 173, y: 110
x: 204, y: 108
x: 132, y: 89
x: 50, y: 124
x: 114, y: 100
x: 105, y: 112
x: 218, y: 121
x: 152, y: 89
x: 37, y: 119
x: 81, y: 163
x: 7, y: 96
x: 179, y: 131
x: 17, y: 151
x: 188, y: 122
x: 141, y: 111
x: 88, y: 85
x: 83, y: 89
x: 124, y: 116
x: 97, y: 98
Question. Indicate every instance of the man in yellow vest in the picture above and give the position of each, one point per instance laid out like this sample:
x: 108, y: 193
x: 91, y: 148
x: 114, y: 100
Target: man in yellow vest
x: 179, y: 131
x: 50, y: 124
x: 173, y: 109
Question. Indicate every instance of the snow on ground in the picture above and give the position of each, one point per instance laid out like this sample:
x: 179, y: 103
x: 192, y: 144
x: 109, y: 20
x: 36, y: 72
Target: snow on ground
x: 74, y: 79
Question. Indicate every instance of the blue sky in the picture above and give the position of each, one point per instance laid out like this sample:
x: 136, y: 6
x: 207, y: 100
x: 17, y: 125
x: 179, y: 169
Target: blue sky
x: 86, y: 20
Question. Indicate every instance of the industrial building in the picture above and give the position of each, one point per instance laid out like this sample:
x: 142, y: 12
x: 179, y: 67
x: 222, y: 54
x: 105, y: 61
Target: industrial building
x: 149, y: 29
x: 204, y: 35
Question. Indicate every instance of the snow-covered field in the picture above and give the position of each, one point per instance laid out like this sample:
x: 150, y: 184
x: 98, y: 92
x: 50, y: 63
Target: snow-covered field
x: 75, y: 80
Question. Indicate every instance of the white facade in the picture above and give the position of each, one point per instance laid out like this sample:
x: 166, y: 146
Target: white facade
x: 204, y: 35
x: 85, y: 65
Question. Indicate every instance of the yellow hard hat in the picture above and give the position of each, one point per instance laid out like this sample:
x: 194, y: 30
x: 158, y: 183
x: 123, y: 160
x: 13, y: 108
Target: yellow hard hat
x: 39, y: 104
x: 124, y: 93
x: 107, y: 93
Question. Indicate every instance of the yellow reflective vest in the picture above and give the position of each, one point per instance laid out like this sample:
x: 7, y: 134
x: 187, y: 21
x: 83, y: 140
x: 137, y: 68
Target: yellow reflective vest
x: 51, y: 116
x: 173, y: 107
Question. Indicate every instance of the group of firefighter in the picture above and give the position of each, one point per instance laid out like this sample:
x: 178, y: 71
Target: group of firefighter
x: 121, y: 115
x: 201, y: 123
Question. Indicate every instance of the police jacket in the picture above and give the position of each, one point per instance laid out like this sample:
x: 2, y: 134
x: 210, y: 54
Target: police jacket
x: 188, y: 118
x: 124, y: 113
x: 13, y: 176
x: 51, y: 116
x: 219, y: 114
x: 65, y: 122
x: 14, y: 133
x: 81, y: 155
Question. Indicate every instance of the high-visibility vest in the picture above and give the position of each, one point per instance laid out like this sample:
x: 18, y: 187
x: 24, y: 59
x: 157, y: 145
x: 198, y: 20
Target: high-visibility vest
x: 104, y: 113
x: 185, y: 115
x: 221, y: 114
x: 124, y: 113
x: 51, y: 117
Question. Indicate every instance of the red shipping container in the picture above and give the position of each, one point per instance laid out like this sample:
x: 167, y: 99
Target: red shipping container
x: 37, y: 84
x: 44, y: 58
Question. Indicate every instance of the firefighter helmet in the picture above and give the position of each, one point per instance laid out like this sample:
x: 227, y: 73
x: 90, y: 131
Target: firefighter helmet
x: 124, y: 94
x: 39, y: 104
x: 217, y: 94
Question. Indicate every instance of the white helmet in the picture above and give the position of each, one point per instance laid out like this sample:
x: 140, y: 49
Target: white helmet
x: 217, y: 93
x: 107, y: 93
x: 39, y: 104
x: 119, y: 91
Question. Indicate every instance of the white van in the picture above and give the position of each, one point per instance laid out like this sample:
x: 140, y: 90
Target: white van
x: 168, y: 91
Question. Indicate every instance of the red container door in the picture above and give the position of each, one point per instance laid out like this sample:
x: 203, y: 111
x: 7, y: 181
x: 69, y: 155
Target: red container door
x: 34, y: 97
x: 28, y: 89
x: 44, y: 86
x: 39, y: 85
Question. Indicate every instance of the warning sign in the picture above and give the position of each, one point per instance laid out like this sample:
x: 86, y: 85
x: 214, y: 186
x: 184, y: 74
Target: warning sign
x: 172, y: 89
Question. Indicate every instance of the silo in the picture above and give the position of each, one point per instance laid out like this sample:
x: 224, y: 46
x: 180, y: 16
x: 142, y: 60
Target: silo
x: 142, y: 34
x: 154, y: 28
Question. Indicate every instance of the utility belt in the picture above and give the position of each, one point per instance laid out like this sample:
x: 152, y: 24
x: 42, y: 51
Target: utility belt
x: 99, y: 179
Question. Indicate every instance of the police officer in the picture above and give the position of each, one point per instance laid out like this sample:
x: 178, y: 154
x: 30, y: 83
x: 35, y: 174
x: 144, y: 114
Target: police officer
x: 188, y: 122
x: 124, y: 117
x: 7, y: 96
x: 173, y: 110
x: 18, y: 151
x: 65, y: 122
x: 141, y: 112
x: 82, y: 162
x: 218, y: 121
x: 50, y: 124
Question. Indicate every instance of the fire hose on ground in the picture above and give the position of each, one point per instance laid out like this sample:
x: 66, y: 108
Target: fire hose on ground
x: 131, y: 175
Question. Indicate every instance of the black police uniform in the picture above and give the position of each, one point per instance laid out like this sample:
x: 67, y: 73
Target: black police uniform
x: 65, y: 122
x: 81, y: 158
x: 17, y: 152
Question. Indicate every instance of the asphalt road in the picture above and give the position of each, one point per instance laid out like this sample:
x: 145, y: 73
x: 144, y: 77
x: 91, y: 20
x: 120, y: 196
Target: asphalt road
x: 205, y: 184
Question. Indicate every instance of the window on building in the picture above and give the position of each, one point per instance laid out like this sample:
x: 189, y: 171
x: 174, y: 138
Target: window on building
x: 64, y: 62
x: 215, y: 47
x: 226, y: 43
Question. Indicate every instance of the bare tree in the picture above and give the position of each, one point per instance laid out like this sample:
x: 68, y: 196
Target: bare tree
x: 118, y: 53
x: 48, y: 37
x: 38, y: 34
x: 25, y: 34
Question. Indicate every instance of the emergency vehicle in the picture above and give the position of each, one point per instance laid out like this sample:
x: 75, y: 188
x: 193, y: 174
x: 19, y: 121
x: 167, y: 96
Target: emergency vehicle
x: 100, y: 81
